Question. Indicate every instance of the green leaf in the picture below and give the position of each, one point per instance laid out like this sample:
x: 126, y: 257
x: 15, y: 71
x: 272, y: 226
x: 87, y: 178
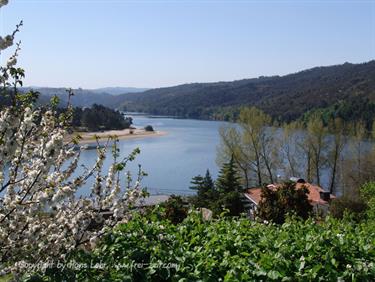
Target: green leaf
x: 273, y: 274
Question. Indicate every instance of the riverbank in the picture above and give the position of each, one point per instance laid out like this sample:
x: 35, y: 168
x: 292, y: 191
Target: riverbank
x: 89, y: 137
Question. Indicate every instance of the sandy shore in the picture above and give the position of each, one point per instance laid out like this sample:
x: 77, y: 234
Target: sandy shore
x: 89, y: 137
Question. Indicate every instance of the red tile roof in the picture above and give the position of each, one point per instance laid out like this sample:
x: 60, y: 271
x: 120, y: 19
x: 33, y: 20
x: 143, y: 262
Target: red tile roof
x: 254, y: 194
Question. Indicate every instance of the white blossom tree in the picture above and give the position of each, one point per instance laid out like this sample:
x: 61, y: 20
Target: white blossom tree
x: 41, y: 218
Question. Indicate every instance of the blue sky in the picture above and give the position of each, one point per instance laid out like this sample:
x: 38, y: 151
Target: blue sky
x: 94, y: 44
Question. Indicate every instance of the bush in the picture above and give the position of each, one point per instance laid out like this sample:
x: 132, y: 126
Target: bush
x: 276, y: 204
x: 233, y: 250
x: 175, y: 209
x: 340, y: 206
x: 149, y: 128
x: 367, y: 192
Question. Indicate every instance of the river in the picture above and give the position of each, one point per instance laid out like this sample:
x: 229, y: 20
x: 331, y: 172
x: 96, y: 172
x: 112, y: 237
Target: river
x: 188, y: 149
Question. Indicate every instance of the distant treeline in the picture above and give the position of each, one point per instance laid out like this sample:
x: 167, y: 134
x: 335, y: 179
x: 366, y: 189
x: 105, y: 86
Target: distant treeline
x: 354, y: 109
x: 99, y: 118
x: 351, y: 110
x: 94, y: 118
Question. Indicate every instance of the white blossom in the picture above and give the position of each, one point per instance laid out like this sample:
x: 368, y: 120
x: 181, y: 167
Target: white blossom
x: 3, y: 3
x: 41, y: 219
x: 12, y: 62
x: 6, y: 42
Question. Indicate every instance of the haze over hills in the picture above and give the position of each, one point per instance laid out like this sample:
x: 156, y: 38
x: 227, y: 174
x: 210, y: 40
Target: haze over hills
x: 82, y: 97
x: 118, y: 90
x: 284, y: 97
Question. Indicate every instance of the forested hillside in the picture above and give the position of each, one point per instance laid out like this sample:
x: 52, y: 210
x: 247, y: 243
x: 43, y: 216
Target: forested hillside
x: 345, y: 90
x: 283, y: 97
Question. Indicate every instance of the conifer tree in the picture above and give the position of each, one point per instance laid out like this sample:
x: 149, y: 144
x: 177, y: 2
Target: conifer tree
x: 209, y: 185
x: 205, y: 190
x: 228, y: 180
x: 229, y: 189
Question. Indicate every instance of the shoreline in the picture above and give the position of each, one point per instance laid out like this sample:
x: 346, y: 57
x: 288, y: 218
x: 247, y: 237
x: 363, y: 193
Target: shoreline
x: 124, y: 134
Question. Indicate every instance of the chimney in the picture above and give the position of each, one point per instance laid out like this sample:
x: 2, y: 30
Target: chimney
x: 297, y: 180
x: 325, y: 196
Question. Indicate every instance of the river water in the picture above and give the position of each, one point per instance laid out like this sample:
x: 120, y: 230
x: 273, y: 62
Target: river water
x: 188, y: 149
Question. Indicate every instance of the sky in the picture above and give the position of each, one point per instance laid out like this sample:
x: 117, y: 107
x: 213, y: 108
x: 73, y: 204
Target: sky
x: 92, y: 44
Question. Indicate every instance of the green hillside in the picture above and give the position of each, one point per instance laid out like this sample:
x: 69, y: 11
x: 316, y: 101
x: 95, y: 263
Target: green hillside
x: 283, y: 97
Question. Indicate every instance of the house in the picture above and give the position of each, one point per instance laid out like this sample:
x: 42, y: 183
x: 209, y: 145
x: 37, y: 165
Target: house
x: 318, y: 197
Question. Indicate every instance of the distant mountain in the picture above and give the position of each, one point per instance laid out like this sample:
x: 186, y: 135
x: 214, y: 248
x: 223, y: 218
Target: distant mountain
x: 81, y: 98
x: 84, y: 97
x: 284, y: 97
x: 348, y: 88
x: 119, y: 90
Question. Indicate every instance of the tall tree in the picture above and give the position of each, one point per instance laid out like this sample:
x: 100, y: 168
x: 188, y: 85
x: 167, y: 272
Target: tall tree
x: 257, y: 139
x: 303, y: 145
x: 209, y: 184
x: 229, y: 189
x: 337, y: 130
x: 205, y: 188
x: 270, y: 152
x: 354, y: 164
x: 316, y: 140
x: 232, y: 145
x: 252, y: 146
x: 288, y: 149
x: 252, y: 121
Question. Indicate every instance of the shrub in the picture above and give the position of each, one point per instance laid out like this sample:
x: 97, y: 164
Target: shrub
x: 230, y: 249
x: 340, y: 206
x: 175, y: 209
x: 149, y: 128
x: 276, y: 204
x: 367, y: 192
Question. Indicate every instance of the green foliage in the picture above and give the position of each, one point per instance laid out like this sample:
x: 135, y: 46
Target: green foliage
x: 206, y: 191
x: 99, y: 118
x: 223, y: 196
x: 228, y: 249
x: 285, y: 98
x: 230, y: 113
x: 228, y: 180
x: 18, y: 99
x: 175, y: 209
x: 229, y: 190
x: 354, y: 207
x: 6, y: 278
x: 353, y: 109
x: 27, y: 99
x: 367, y: 192
x: 54, y: 101
x: 277, y: 203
